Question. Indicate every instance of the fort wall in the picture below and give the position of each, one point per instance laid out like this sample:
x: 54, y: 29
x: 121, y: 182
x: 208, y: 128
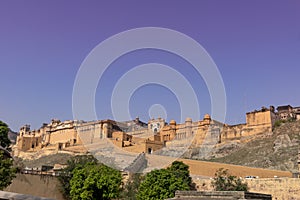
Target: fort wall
x: 157, y: 132
x: 279, y: 188
x: 257, y: 122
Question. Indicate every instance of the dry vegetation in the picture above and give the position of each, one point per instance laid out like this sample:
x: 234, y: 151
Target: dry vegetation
x: 278, y: 151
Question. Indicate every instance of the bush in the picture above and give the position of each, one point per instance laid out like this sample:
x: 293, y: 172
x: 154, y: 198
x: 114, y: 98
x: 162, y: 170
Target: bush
x: 278, y: 123
x: 162, y: 184
x: 223, y: 181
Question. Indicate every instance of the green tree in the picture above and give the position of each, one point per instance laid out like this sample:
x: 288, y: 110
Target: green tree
x: 78, y: 162
x: 223, y: 181
x: 4, y: 140
x: 95, y: 182
x: 162, y: 184
x: 181, y: 170
x: 7, y: 171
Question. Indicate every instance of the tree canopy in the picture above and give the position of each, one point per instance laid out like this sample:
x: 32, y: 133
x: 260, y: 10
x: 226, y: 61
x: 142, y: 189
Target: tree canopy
x: 162, y: 184
x: 7, y: 171
x: 223, y: 181
x: 4, y: 140
x: 77, y: 162
x: 95, y: 181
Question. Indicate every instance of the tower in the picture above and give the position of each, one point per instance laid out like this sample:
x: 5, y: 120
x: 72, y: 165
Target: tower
x: 188, y: 126
x: 155, y: 125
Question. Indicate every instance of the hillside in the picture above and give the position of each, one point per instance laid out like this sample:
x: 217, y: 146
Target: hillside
x: 59, y: 158
x: 273, y: 151
x: 277, y: 150
x: 12, y: 136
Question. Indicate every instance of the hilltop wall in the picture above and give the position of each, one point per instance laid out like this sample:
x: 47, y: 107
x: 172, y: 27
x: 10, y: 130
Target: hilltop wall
x: 257, y: 122
x: 70, y: 133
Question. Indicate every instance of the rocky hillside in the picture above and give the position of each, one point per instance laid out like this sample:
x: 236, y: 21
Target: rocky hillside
x: 59, y: 158
x: 278, y: 150
x: 12, y: 136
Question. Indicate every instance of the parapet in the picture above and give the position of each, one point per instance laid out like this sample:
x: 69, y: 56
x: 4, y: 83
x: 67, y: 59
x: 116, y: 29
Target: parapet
x: 263, y: 109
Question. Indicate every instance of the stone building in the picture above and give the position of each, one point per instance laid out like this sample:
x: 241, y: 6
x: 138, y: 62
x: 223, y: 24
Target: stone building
x: 285, y: 112
x: 137, y: 136
x: 176, y: 132
x: 257, y: 122
x: 296, y: 110
x: 60, y: 134
x: 70, y: 133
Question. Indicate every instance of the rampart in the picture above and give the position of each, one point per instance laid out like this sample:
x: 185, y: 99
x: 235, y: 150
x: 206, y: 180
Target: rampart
x: 154, y: 135
x: 279, y: 188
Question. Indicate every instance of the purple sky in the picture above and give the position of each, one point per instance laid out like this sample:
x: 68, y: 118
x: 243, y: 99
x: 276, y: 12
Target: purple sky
x: 255, y: 44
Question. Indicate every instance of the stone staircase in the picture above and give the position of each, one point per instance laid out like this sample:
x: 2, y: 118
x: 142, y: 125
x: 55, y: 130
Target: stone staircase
x: 179, y: 147
x: 138, y: 165
x: 176, y: 147
x: 207, y: 148
x: 109, y: 154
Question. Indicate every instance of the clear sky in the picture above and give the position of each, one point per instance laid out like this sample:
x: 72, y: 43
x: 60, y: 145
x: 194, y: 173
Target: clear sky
x: 255, y: 44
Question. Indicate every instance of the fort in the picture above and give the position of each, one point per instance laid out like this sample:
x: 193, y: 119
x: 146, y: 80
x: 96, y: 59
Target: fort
x: 137, y: 136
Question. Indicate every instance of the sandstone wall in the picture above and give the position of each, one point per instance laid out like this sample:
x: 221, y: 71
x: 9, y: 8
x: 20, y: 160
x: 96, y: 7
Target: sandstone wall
x: 152, y: 146
x: 47, y: 186
x: 26, y: 143
x: 259, y: 118
x: 257, y: 123
x: 65, y: 135
x: 279, y: 188
x: 138, y: 132
x: 232, y: 132
x: 89, y: 131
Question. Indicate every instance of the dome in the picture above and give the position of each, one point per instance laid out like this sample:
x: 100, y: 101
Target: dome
x: 172, y: 122
x: 188, y: 119
x: 207, y: 117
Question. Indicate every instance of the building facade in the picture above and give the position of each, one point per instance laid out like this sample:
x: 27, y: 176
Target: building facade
x: 287, y: 112
x: 151, y: 136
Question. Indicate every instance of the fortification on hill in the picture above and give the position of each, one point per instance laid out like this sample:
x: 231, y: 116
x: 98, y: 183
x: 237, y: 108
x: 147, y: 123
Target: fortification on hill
x: 137, y: 136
